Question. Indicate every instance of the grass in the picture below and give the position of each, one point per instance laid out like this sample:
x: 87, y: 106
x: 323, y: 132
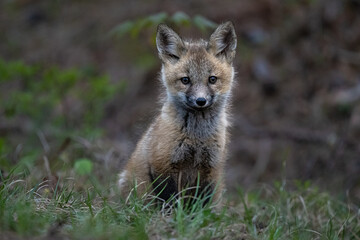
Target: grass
x: 63, y: 209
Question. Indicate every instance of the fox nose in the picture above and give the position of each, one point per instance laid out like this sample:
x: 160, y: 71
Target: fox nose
x: 201, y: 101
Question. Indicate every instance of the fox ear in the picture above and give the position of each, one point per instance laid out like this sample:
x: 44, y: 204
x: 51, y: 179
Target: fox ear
x: 223, y: 42
x: 169, y: 44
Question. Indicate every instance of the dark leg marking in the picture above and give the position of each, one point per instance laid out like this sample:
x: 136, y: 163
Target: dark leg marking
x: 164, y: 187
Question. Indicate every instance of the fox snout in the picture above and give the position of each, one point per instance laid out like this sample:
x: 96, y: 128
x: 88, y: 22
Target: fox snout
x: 199, y: 102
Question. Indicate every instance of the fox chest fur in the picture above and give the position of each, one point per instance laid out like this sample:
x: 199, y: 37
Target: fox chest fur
x: 193, y: 146
x: 185, y: 147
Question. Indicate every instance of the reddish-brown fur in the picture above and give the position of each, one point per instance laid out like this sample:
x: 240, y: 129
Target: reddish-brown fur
x: 186, y: 145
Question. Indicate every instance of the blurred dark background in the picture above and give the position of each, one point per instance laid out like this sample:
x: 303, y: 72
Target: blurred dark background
x: 80, y: 79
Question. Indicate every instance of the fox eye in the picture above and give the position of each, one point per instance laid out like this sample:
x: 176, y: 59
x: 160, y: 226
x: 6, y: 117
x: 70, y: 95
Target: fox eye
x: 212, y: 79
x: 185, y: 80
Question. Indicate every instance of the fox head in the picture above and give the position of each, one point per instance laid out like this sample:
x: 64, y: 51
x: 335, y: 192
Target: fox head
x: 197, y: 74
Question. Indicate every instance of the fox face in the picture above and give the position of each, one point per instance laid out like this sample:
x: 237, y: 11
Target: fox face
x: 197, y: 74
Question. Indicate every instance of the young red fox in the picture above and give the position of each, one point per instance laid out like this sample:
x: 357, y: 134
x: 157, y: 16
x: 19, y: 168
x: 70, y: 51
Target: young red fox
x: 185, y: 147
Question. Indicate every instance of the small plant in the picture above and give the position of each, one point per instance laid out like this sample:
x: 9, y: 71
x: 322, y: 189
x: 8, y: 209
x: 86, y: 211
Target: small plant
x: 134, y: 27
x: 83, y: 166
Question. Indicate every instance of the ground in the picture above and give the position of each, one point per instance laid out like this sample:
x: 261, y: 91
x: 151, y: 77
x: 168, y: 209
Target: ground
x: 295, y: 107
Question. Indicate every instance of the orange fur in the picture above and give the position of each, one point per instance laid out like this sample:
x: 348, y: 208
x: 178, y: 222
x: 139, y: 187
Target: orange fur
x: 186, y: 144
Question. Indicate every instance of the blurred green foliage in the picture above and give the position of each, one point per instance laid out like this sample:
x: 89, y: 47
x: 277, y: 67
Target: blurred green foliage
x: 178, y: 19
x: 42, y: 105
x: 55, y: 100
x: 83, y: 166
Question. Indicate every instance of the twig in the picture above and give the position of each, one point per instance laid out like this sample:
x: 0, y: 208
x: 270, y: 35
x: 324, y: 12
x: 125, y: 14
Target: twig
x: 47, y: 167
x: 65, y: 144
x: 43, y: 141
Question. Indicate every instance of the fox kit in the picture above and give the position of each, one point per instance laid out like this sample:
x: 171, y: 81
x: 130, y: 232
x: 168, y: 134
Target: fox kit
x: 184, y: 149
